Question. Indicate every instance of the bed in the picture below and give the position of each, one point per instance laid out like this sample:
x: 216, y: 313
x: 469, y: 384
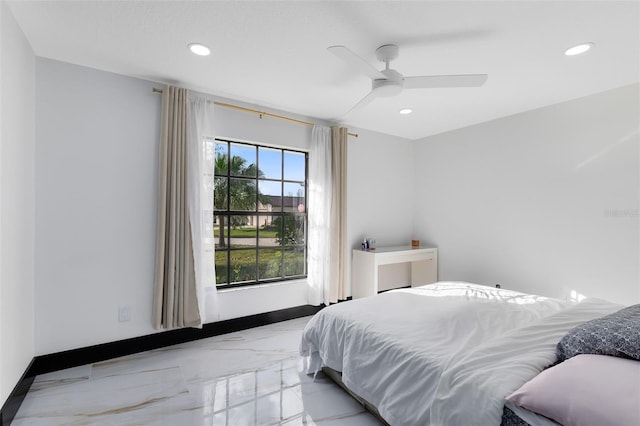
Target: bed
x: 448, y: 353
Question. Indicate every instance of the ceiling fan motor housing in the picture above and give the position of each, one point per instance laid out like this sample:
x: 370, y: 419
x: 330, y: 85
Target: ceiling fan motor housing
x: 390, y: 86
x: 387, y: 53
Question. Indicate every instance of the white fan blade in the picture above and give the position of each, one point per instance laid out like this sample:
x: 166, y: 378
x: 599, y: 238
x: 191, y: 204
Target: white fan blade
x: 363, y: 102
x: 356, y: 61
x: 436, y: 81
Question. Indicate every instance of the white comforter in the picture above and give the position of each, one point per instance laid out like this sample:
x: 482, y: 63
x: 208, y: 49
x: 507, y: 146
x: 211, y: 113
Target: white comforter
x: 442, y: 354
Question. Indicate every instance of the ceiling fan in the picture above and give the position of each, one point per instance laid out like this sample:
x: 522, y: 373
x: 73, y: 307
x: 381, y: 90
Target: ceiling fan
x: 390, y: 82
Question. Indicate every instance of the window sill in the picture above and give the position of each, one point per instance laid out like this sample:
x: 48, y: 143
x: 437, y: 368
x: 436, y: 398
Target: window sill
x: 266, y: 285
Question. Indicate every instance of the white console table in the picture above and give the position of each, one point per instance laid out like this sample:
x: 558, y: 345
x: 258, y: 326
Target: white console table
x: 364, y: 269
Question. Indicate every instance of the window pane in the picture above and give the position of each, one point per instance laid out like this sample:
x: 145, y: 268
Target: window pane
x: 290, y: 229
x: 267, y: 231
x: 221, y: 266
x: 300, y: 230
x: 294, y: 199
x: 270, y: 162
x: 221, y: 231
x: 243, y: 194
x: 243, y: 231
x: 270, y: 195
x: 243, y: 160
x: 220, y: 193
x: 243, y: 265
x: 294, y: 263
x: 270, y: 263
x: 294, y: 166
x: 222, y: 156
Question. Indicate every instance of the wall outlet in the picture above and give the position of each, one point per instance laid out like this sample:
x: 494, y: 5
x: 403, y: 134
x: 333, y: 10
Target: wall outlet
x: 123, y: 314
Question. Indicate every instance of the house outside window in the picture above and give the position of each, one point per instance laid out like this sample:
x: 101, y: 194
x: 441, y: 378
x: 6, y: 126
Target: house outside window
x: 260, y: 214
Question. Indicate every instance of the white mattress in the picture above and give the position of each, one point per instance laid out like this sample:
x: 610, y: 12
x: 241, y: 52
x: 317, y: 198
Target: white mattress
x: 442, y: 354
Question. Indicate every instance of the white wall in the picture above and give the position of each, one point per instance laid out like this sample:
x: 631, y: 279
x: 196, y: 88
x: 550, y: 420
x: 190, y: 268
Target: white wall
x: 545, y: 201
x: 96, y: 157
x: 17, y: 121
x: 96, y: 165
x: 380, y: 190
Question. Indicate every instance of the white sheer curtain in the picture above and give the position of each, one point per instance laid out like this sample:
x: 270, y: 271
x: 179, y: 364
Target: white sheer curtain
x: 201, y: 153
x: 339, y: 251
x: 319, y: 213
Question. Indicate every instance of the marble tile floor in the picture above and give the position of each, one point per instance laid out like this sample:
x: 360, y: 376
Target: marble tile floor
x: 251, y: 377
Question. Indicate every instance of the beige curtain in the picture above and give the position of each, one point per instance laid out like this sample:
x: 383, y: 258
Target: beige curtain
x: 175, y: 296
x: 338, y: 224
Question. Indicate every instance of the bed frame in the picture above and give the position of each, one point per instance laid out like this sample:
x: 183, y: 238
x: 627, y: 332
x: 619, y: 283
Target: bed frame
x: 336, y: 376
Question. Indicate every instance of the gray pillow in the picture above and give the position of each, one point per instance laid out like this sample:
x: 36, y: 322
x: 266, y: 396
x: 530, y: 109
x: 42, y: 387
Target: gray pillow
x: 617, y: 334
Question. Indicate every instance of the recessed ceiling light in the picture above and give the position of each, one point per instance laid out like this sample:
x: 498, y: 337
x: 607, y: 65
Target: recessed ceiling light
x: 199, y: 49
x: 406, y: 111
x: 576, y: 50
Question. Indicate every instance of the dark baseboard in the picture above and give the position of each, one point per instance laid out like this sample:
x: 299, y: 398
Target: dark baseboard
x: 11, y: 406
x: 76, y: 357
x: 43, y: 364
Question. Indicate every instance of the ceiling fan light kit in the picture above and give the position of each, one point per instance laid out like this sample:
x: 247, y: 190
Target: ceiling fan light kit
x: 389, y: 82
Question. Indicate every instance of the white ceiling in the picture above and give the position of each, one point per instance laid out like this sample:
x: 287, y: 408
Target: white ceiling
x: 273, y: 53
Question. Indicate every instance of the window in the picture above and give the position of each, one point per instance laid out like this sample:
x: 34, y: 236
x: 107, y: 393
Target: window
x: 260, y: 214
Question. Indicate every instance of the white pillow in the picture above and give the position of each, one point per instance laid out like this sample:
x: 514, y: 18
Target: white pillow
x: 585, y: 390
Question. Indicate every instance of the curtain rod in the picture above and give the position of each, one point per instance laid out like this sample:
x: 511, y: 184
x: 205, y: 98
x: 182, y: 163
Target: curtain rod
x: 262, y: 113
